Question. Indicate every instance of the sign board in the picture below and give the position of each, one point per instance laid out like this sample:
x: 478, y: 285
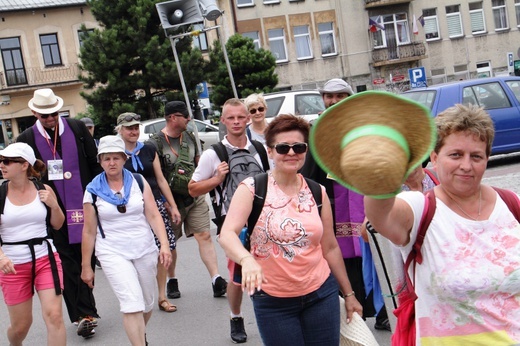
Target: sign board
x: 377, y: 81
x: 517, y: 67
x: 417, y: 77
x: 398, y: 78
x: 510, y: 63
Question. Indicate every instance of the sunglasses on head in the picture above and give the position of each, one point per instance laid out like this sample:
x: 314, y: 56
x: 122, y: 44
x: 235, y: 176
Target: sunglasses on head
x: 259, y: 109
x: 7, y: 161
x: 45, y: 116
x: 128, y: 118
x: 298, y: 148
x: 121, y: 207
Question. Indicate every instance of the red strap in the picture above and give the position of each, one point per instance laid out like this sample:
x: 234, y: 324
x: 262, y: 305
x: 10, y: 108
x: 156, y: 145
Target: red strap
x: 433, y: 175
x: 511, y: 200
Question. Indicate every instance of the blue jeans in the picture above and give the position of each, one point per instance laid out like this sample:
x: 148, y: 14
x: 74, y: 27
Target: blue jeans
x: 312, y: 319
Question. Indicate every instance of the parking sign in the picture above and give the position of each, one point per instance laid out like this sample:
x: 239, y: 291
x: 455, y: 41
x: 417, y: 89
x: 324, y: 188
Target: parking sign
x: 417, y: 77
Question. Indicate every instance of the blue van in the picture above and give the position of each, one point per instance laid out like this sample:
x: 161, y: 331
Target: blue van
x: 500, y: 96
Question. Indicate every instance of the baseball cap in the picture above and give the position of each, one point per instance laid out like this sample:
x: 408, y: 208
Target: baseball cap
x: 20, y: 149
x: 88, y: 122
x: 175, y: 107
x: 128, y: 119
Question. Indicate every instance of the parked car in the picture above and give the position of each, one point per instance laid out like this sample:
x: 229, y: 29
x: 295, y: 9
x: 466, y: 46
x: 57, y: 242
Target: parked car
x: 305, y: 103
x: 500, y: 96
x: 207, y: 133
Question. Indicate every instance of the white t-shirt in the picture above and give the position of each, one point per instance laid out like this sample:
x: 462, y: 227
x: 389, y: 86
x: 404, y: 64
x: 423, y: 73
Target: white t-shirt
x: 468, y: 285
x: 21, y: 223
x: 127, y: 234
x: 208, y: 163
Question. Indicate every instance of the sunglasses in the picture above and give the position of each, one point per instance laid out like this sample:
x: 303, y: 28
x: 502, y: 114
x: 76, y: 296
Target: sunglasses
x: 259, y: 109
x: 185, y: 116
x: 128, y: 118
x: 45, y: 116
x: 298, y: 148
x: 121, y: 207
x: 7, y: 161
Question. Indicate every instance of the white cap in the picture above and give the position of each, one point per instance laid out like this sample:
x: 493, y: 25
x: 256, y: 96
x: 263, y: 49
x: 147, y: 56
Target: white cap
x: 111, y: 144
x: 337, y: 86
x: 20, y: 149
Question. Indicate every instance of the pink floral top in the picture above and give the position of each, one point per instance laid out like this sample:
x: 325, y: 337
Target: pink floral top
x: 286, y: 241
x: 468, y: 286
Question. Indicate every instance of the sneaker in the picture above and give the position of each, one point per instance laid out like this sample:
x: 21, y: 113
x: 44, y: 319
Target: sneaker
x: 219, y: 287
x: 172, y: 289
x: 383, y: 325
x: 86, y: 327
x: 238, y: 332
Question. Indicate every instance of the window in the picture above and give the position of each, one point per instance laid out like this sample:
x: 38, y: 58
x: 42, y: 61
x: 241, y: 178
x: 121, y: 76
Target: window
x: 50, y: 50
x: 476, y: 14
x: 489, y: 96
x: 438, y: 76
x: 517, y: 11
x: 277, y: 44
x: 454, y: 21
x: 461, y: 72
x: 327, y: 38
x: 254, y: 36
x: 431, y: 24
x: 82, y: 35
x: 243, y: 3
x: 269, y: 2
x: 499, y: 14
x: 200, y: 41
x: 302, y: 39
x: 515, y: 88
x: 396, y: 31
x: 13, y: 61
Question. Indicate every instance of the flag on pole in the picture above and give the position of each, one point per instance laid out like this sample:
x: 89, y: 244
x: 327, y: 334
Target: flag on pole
x: 374, y: 25
x: 421, y: 20
x: 414, y: 26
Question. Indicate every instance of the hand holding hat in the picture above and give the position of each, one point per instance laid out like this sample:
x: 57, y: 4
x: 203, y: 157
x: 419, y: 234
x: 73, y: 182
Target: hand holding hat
x: 371, y: 141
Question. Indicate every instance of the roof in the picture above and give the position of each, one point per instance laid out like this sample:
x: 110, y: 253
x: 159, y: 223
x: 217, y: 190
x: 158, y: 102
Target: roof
x: 21, y: 5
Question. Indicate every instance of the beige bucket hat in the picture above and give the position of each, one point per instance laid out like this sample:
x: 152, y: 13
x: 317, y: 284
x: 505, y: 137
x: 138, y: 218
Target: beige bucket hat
x: 372, y: 140
x: 356, y: 332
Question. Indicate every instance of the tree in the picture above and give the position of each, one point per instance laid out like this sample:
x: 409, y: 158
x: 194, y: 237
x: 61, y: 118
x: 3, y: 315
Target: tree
x: 129, y: 62
x: 253, y: 70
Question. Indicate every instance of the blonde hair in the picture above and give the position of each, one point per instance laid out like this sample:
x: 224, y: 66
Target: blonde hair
x: 254, y: 99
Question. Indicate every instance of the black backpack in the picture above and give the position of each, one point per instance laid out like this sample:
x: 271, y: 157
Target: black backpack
x: 242, y: 165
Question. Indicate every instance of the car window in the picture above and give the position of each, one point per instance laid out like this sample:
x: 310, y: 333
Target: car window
x: 490, y: 95
x: 309, y: 104
x: 468, y: 97
x: 515, y: 88
x: 425, y: 97
x: 273, y: 106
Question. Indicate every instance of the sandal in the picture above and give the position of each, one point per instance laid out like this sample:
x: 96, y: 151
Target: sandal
x: 165, y: 306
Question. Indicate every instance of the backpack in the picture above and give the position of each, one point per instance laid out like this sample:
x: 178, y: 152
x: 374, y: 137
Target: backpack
x: 180, y: 175
x: 242, y: 165
x: 35, y: 241
x: 137, y: 177
x: 258, y: 205
x: 405, y: 333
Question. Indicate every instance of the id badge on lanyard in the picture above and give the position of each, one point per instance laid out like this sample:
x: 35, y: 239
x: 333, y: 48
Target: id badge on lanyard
x: 55, y: 168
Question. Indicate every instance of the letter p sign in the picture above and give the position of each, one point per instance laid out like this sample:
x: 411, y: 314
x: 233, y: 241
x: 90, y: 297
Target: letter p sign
x: 417, y: 77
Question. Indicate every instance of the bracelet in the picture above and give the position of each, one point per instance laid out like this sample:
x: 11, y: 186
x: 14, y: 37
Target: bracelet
x: 350, y: 294
x: 243, y: 258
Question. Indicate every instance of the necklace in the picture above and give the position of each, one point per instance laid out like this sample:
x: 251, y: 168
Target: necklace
x: 462, y: 210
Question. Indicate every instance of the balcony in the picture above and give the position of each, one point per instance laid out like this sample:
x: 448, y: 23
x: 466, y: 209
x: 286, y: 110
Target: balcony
x: 34, y: 77
x: 380, y: 3
x: 399, y: 54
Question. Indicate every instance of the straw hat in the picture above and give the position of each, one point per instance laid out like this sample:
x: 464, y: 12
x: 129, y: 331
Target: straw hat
x: 356, y: 332
x: 45, y: 102
x: 371, y: 141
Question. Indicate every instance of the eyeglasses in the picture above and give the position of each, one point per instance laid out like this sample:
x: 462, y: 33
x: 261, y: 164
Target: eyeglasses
x: 45, y: 116
x: 121, y: 207
x: 185, y: 116
x: 259, y: 109
x: 128, y: 118
x: 298, y: 148
x: 7, y: 161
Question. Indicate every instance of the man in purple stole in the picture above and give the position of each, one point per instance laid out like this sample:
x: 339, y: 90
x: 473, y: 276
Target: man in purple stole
x: 69, y: 151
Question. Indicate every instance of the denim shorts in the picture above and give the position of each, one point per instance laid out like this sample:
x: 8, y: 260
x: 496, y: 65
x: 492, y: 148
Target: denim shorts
x: 311, y: 319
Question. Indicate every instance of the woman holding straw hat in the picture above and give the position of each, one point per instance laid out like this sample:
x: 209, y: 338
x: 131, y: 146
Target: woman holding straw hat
x: 295, y: 267
x: 468, y: 284
x: 28, y: 258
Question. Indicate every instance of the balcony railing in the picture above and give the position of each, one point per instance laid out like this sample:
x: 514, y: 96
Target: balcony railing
x: 379, y: 3
x: 39, y: 76
x: 399, y: 54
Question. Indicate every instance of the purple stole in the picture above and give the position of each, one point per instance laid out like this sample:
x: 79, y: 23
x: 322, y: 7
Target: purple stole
x: 350, y: 213
x: 70, y: 191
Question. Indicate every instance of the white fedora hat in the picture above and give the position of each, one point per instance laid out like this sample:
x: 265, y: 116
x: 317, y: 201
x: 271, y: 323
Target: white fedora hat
x: 45, y: 102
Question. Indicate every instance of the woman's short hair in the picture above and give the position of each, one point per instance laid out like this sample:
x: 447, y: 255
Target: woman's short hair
x: 285, y: 123
x: 253, y: 99
x: 469, y: 119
